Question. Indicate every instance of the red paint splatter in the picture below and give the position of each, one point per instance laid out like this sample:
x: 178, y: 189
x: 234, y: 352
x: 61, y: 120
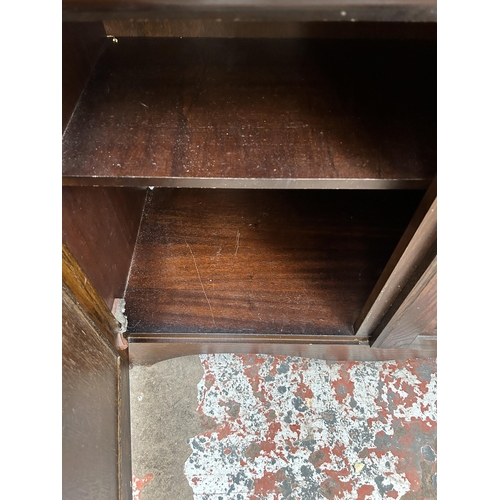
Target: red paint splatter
x: 364, y: 491
x: 138, y: 484
x: 265, y: 484
x: 401, y: 393
x: 303, y: 391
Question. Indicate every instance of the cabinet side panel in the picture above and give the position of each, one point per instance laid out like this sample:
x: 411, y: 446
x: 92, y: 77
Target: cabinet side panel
x: 100, y: 227
x: 419, y: 237
x: 81, y: 45
x: 90, y: 410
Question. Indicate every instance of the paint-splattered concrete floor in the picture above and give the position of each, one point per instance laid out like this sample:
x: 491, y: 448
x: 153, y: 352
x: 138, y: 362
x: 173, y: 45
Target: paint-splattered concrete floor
x: 246, y: 427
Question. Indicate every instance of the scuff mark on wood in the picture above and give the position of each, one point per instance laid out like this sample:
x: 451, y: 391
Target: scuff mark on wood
x: 201, y: 282
x: 237, y: 242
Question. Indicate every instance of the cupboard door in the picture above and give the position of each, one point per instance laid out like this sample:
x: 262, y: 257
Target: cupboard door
x: 414, y: 252
x: 95, y: 416
x: 90, y: 409
x: 414, y: 317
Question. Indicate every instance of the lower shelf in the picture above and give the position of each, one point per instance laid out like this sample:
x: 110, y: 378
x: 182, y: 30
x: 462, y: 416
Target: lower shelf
x: 144, y: 350
x: 261, y: 262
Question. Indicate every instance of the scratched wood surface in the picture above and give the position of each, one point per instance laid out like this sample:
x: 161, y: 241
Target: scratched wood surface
x: 328, y: 111
x: 249, y: 261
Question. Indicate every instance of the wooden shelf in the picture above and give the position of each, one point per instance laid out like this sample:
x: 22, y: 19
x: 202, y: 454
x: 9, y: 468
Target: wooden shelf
x: 261, y: 262
x: 256, y: 113
x: 252, y: 10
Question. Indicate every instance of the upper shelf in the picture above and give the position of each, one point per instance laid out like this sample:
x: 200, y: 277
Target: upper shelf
x: 256, y: 113
x: 253, y: 10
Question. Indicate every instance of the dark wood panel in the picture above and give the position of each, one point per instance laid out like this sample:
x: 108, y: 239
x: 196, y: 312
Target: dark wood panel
x: 420, y: 236
x: 147, y: 353
x: 281, y: 262
x: 212, y: 28
x: 100, y: 227
x: 90, y: 452
x: 78, y: 285
x: 424, y: 341
x: 296, y: 10
x: 124, y: 429
x: 431, y: 329
x: 81, y: 44
x: 257, y: 113
x: 415, y: 315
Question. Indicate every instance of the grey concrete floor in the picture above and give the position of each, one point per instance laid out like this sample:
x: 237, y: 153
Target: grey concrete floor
x: 164, y: 416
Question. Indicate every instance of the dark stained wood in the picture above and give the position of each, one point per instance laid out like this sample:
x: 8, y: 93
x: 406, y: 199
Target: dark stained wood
x: 420, y: 236
x: 414, y: 316
x: 253, y: 10
x: 81, y: 44
x: 430, y: 331
x: 100, y: 227
x: 270, y: 262
x: 228, y: 29
x: 246, y: 338
x: 282, y: 113
x: 79, y: 286
x: 90, y: 453
x: 124, y: 429
x: 147, y: 353
x: 424, y: 341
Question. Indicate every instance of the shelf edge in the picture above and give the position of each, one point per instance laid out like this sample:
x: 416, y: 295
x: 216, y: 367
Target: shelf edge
x: 248, y: 183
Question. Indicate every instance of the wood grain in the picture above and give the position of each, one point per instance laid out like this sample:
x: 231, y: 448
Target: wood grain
x: 257, y: 113
x: 124, y: 429
x: 100, y: 227
x: 275, y: 262
x: 253, y: 10
x: 90, y: 452
x: 419, y: 237
x: 416, y: 315
x: 231, y: 29
x: 80, y: 288
x: 147, y: 353
x: 81, y: 44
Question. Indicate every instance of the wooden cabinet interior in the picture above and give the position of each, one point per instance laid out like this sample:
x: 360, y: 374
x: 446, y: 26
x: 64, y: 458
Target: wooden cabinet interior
x: 320, y: 142
x: 318, y: 237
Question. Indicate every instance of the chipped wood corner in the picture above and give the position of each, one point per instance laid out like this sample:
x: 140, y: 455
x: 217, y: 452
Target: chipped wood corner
x: 80, y: 288
x: 118, y: 312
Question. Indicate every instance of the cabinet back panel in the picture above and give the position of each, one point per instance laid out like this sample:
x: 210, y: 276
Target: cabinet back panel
x: 275, y: 262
